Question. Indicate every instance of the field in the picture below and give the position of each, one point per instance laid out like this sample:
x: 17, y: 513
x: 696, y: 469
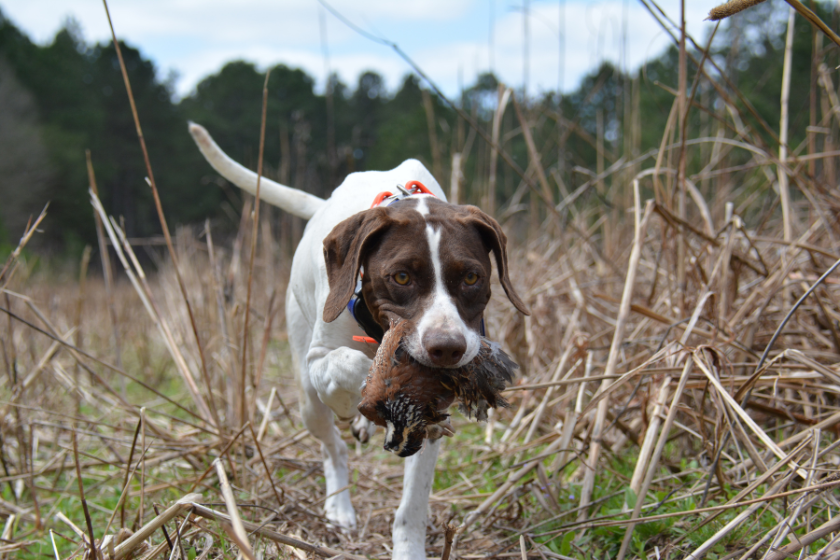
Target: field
x: 678, y: 395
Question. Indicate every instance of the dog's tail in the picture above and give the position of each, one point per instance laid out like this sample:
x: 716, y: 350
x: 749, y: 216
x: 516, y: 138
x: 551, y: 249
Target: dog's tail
x: 291, y: 200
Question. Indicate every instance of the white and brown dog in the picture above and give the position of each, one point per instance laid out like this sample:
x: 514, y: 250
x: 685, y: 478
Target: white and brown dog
x: 422, y: 259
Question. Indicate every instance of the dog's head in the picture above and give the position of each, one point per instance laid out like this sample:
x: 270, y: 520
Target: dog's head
x: 424, y: 260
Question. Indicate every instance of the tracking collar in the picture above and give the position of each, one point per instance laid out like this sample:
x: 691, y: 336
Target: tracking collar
x: 361, y: 313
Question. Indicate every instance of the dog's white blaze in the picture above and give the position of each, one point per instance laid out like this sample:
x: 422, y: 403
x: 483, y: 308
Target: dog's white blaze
x: 442, y: 313
x: 422, y: 207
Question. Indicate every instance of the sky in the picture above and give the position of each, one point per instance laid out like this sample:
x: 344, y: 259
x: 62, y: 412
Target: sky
x: 452, y: 41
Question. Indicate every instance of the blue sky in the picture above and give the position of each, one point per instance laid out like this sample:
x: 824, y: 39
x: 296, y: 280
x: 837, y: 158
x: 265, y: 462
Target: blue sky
x: 449, y: 39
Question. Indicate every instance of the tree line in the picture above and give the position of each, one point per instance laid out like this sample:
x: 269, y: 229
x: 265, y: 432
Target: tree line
x: 67, y: 96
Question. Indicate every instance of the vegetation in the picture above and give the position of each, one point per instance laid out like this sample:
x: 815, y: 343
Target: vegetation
x: 679, y: 394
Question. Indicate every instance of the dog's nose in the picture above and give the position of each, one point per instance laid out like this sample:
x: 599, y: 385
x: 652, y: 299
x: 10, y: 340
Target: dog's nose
x: 445, y: 348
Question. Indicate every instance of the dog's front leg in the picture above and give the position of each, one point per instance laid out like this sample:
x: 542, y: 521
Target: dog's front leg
x: 333, y: 381
x: 337, y: 376
x: 410, y: 520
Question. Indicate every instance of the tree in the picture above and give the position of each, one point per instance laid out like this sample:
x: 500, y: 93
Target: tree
x: 24, y: 160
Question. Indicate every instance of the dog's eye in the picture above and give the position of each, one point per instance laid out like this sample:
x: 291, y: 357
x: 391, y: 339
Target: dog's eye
x: 402, y: 278
x: 471, y: 279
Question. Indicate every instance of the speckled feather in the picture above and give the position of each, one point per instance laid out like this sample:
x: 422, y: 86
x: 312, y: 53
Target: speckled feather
x: 478, y: 385
x: 410, y: 400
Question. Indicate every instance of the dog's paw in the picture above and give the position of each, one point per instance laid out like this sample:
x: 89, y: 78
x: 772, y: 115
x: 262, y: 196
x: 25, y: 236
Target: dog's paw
x: 340, y: 511
x: 362, y: 428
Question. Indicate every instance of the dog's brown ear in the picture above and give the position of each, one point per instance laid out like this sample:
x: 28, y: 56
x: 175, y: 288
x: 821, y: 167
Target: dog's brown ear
x: 344, y: 250
x: 493, y: 236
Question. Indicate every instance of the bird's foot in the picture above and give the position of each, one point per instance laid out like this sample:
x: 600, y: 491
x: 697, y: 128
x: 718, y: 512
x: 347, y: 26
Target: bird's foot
x: 437, y: 431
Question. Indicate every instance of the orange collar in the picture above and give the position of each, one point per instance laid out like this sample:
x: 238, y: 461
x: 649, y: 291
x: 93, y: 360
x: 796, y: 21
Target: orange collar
x: 411, y: 188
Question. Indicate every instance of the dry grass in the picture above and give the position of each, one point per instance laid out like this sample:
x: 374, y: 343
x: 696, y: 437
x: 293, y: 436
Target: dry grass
x: 668, y: 406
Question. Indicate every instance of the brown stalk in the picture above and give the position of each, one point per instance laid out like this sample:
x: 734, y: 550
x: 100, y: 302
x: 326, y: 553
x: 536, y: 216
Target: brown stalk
x: 504, y: 97
x: 127, y: 469
x: 141, y: 512
x: 243, y: 409
x: 641, y: 223
x: 125, y: 548
x: 269, y: 321
x: 92, y: 542
x: 139, y: 281
x: 533, y: 153
x: 124, y: 493
x: 27, y: 235
x: 164, y: 531
x: 662, y: 195
x: 657, y: 453
x: 682, y: 110
x: 799, y: 543
x: 650, y: 434
x: 218, y: 288
x: 816, y: 47
x: 107, y: 271
x: 449, y: 532
x: 31, y: 479
x: 429, y: 108
x: 784, y: 190
x: 815, y: 20
x: 267, y: 414
x: 265, y: 465
x: 764, y: 478
x: 158, y: 205
x: 541, y: 408
x: 560, y: 383
x: 238, y: 532
x: 83, y: 269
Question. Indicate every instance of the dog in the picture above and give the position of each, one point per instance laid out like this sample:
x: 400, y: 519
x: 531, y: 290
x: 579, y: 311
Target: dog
x: 417, y: 258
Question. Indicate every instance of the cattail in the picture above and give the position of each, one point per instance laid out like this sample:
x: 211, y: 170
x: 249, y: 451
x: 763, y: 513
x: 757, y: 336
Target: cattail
x: 731, y: 8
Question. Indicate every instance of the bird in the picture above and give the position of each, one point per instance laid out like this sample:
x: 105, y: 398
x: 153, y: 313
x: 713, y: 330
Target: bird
x: 404, y: 396
x: 410, y: 400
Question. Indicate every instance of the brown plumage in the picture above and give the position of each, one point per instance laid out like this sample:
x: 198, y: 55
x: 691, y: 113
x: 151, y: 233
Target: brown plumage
x: 410, y: 400
x: 479, y: 384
